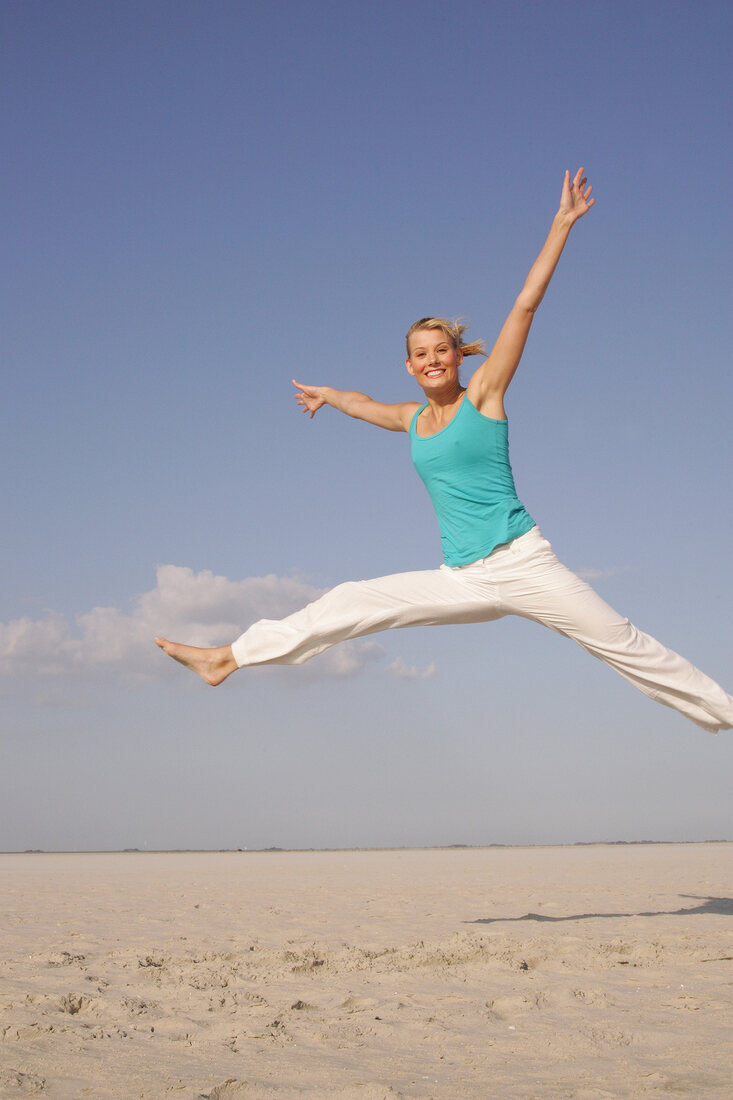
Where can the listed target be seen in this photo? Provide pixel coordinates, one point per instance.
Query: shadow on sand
(721, 907)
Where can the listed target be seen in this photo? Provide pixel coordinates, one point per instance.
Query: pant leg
(545, 591)
(356, 608)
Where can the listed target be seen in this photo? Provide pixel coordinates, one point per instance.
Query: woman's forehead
(428, 337)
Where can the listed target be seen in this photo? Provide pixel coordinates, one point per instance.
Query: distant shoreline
(401, 848)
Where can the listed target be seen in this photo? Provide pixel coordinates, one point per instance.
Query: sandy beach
(579, 972)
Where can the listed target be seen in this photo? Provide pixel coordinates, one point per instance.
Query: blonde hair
(453, 330)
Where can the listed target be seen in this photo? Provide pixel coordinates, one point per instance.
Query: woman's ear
(408, 364)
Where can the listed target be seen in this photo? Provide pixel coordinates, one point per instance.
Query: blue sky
(207, 199)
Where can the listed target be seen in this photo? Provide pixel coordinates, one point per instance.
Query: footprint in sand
(505, 1008)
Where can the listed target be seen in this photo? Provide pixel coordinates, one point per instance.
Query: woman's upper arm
(395, 418)
(491, 381)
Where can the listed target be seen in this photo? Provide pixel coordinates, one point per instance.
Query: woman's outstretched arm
(490, 382)
(395, 418)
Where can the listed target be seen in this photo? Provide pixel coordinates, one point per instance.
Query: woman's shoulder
(490, 406)
(412, 410)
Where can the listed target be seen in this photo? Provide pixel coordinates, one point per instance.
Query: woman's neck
(444, 402)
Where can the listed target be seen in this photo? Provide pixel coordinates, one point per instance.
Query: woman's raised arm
(490, 382)
(395, 418)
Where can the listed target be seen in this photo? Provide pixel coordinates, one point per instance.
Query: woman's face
(433, 360)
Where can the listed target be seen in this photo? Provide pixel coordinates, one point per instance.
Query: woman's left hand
(575, 199)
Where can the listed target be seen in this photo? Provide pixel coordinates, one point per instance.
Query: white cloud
(198, 608)
(403, 671)
(596, 574)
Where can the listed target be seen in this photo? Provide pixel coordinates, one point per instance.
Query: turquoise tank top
(465, 469)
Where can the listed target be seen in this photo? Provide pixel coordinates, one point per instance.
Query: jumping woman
(496, 561)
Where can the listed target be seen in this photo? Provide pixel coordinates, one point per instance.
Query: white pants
(522, 578)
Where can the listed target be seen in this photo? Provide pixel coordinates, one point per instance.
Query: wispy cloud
(596, 574)
(198, 608)
(403, 671)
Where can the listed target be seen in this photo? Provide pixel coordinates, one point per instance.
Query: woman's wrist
(563, 222)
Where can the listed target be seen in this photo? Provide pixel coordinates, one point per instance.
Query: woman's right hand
(310, 398)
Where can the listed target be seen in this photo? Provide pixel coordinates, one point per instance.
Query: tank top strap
(413, 422)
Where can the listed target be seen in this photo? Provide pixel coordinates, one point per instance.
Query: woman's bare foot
(212, 665)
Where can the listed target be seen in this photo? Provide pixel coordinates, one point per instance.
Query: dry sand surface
(578, 972)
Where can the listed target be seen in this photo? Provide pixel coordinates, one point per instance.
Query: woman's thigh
(421, 598)
(546, 591)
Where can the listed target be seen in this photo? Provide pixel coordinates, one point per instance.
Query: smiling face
(434, 360)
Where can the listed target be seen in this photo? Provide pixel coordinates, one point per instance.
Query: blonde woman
(496, 561)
